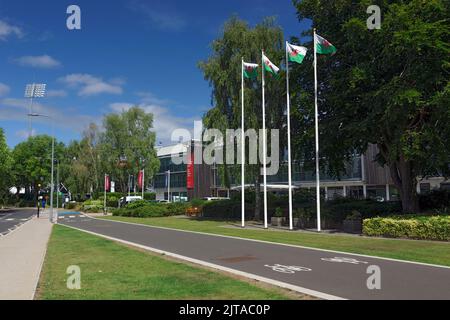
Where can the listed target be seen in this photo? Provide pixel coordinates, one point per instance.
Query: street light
(52, 187)
(34, 90)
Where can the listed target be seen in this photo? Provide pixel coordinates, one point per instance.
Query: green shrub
(149, 196)
(73, 206)
(224, 209)
(143, 209)
(92, 206)
(278, 213)
(436, 199)
(177, 208)
(137, 204)
(411, 226)
(338, 210)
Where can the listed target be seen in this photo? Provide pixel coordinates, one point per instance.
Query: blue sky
(121, 57)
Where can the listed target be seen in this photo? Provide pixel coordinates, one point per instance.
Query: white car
(215, 199)
(126, 200)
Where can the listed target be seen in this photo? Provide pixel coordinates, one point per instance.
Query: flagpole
(243, 148)
(264, 141)
(317, 137)
(143, 183)
(104, 200)
(291, 224)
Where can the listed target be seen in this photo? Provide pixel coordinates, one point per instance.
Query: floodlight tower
(34, 90)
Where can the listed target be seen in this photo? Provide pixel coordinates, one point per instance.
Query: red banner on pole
(190, 173)
(141, 179)
(107, 183)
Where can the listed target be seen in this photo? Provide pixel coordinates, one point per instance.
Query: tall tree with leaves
(128, 145)
(223, 71)
(6, 165)
(33, 161)
(387, 87)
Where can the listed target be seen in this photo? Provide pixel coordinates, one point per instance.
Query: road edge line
(277, 243)
(281, 284)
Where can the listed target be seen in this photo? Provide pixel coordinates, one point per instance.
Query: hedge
(412, 227)
(334, 211)
(435, 199)
(142, 209)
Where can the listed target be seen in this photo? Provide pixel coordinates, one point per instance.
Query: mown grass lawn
(411, 250)
(111, 271)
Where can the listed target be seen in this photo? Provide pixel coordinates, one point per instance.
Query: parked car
(126, 200)
(215, 199)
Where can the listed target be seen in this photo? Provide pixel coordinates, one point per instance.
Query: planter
(301, 223)
(277, 221)
(352, 226)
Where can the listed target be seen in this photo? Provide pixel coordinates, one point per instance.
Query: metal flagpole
(52, 188)
(168, 186)
(104, 199)
(291, 223)
(264, 141)
(243, 149)
(317, 136)
(143, 183)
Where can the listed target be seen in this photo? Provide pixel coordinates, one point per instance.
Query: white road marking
(287, 269)
(344, 260)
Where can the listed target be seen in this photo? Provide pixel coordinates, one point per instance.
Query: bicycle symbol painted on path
(287, 269)
(344, 260)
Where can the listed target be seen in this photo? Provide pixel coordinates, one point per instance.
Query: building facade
(363, 178)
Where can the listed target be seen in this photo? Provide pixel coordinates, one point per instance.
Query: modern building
(363, 178)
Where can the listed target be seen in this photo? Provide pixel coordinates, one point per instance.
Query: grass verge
(410, 250)
(111, 271)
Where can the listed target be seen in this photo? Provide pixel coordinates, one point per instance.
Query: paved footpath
(325, 274)
(22, 254)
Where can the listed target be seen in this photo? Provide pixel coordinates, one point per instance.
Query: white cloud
(164, 121)
(24, 134)
(4, 89)
(7, 30)
(89, 85)
(44, 62)
(17, 110)
(56, 93)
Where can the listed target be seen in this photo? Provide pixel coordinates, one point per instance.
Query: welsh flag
(296, 53)
(270, 67)
(250, 70)
(323, 46)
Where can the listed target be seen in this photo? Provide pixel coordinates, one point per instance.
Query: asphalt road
(13, 218)
(332, 273)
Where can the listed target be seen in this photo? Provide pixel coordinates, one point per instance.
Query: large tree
(388, 87)
(32, 162)
(223, 71)
(5, 168)
(128, 145)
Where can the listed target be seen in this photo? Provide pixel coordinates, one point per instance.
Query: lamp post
(34, 90)
(52, 186)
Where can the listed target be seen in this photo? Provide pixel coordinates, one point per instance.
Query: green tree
(223, 71)
(32, 162)
(388, 87)
(82, 164)
(6, 165)
(128, 145)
